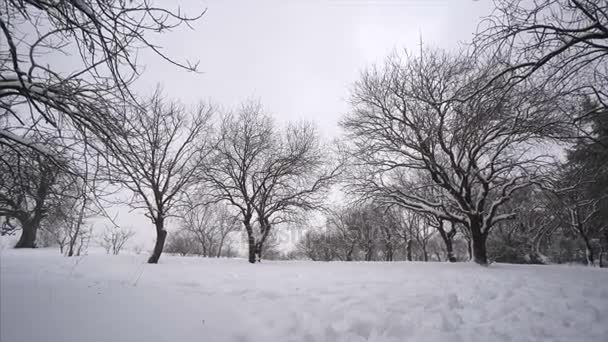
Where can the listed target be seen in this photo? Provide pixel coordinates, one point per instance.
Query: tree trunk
(449, 247)
(251, 242)
(250, 239)
(349, 253)
(589, 257)
(408, 250)
(219, 247)
(28, 234)
(604, 253)
(161, 235)
(389, 253)
(448, 238)
(478, 242)
(265, 230)
(368, 251)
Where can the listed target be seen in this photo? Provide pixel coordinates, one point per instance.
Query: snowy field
(46, 297)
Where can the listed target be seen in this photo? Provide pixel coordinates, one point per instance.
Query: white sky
(298, 57)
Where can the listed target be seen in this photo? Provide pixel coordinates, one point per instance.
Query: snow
(25, 141)
(47, 297)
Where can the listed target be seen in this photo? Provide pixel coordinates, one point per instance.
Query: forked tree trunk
(448, 240)
(265, 229)
(161, 236)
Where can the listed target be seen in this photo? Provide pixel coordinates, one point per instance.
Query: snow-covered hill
(46, 297)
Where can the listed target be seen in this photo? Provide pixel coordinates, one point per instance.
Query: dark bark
(250, 239)
(478, 239)
(161, 236)
(408, 250)
(448, 240)
(425, 254)
(28, 234)
(604, 254)
(349, 253)
(265, 230)
(76, 232)
(589, 255)
(252, 252)
(369, 250)
(31, 223)
(389, 253)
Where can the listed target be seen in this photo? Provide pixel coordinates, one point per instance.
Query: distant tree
(182, 243)
(268, 175)
(114, 238)
(210, 225)
(580, 213)
(346, 240)
(389, 238)
(316, 246)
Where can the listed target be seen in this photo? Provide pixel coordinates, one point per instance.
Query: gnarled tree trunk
(29, 229)
(448, 240)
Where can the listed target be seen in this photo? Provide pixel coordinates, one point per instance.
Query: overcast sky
(298, 57)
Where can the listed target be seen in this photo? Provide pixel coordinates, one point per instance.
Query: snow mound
(46, 297)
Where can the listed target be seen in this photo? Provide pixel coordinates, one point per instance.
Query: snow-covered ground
(46, 297)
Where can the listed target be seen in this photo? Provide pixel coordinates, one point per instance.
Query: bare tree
(267, 175)
(559, 44)
(31, 186)
(295, 176)
(319, 245)
(182, 243)
(76, 98)
(390, 239)
(447, 236)
(580, 213)
(423, 232)
(114, 238)
(409, 118)
(160, 159)
(210, 225)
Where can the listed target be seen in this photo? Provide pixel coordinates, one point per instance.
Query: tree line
(496, 151)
